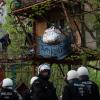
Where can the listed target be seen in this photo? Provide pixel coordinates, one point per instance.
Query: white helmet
(33, 79)
(43, 67)
(72, 74)
(7, 82)
(82, 71)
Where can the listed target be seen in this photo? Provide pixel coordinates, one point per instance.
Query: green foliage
(40, 9)
(94, 76)
(17, 39)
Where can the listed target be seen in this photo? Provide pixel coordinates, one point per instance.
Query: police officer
(73, 90)
(28, 93)
(91, 88)
(7, 92)
(42, 88)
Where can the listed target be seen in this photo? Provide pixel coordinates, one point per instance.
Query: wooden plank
(32, 1)
(49, 60)
(40, 27)
(26, 8)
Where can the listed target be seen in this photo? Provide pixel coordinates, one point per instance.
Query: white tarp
(52, 35)
(3, 13)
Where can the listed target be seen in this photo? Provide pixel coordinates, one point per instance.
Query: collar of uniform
(73, 80)
(84, 78)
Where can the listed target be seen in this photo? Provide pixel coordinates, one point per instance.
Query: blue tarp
(58, 51)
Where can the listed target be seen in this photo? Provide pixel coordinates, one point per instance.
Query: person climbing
(5, 40)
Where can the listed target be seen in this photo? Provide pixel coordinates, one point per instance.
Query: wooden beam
(48, 60)
(24, 9)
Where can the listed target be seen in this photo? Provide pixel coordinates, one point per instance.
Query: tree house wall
(42, 24)
(54, 16)
(40, 27)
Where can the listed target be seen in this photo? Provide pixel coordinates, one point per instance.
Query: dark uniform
(27, 95)
(91, 90)
(8, 94)
(43, 90)
(5, 40)
(74, 90)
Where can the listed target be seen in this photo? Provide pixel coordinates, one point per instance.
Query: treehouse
(66, 15)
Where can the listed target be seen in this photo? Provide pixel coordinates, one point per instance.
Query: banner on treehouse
(58, 51)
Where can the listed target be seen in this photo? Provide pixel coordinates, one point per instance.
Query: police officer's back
(91, 88)
(73, 90)
(43, 89)
(7, 92)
